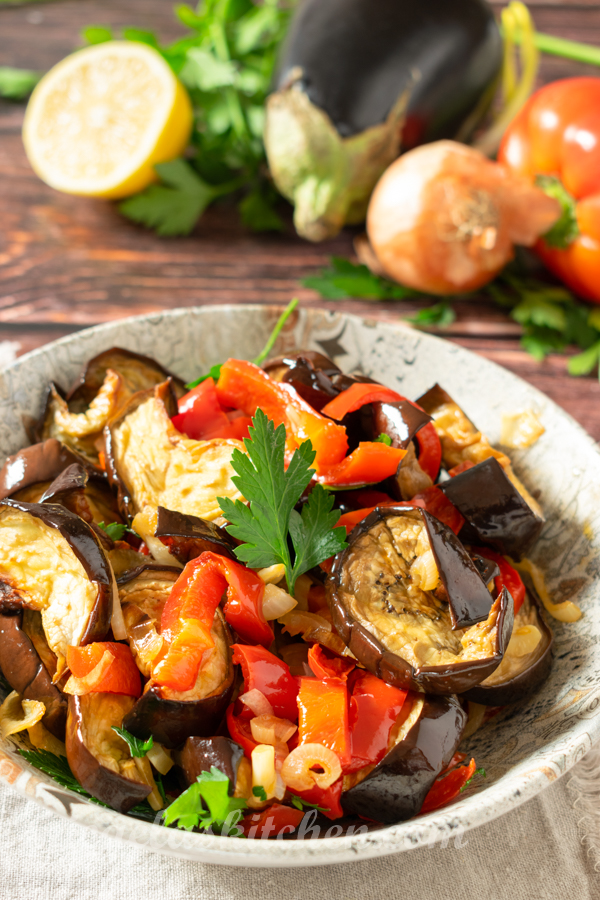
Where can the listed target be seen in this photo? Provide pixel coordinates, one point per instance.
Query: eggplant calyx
(328, 178)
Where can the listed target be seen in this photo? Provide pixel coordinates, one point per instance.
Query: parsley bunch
(207, 804)
(271, 529)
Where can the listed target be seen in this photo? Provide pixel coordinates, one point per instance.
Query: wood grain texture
(67, 262)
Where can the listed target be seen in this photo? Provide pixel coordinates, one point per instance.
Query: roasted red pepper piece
(508, 577)
(369, 463)
(242, 385)
(328, 799)
(237, 429)
(200, 414)
(239, 731)
(374, 708)
(271, 822)
(436, 502)
(323, 715)
(265, 672)
(122, 675)
(557, 134)
(430, 450)
(327, 665)
(460, 468)
(189, 612)
(447, 787)
(357, 395)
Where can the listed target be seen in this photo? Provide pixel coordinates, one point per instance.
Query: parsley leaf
(273, 492)
(585, 362)
(440, 314)
(137, 748)
(173, 207)
(566, 229)
(479, 771)
(206, 803)
(214, 372)
(114, 530)
(344, 279)
(384, 439)
(259, 791)
(304, 804)
(17, 84)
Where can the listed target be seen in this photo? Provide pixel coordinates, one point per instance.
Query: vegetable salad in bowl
(282, 593)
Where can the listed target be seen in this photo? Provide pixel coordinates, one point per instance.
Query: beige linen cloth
(548, 848)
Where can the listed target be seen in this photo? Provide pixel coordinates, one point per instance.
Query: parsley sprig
(207, 804)
(270, 524)
(137, 747)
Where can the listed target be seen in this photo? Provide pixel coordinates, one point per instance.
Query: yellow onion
(256, 701)
(17, 714)
(444, 219)
(271, 730)
(298, 768)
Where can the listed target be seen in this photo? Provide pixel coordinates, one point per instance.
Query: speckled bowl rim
(429, 830)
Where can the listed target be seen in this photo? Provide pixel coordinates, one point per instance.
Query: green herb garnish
(304, 804)
(440, 314)
(480, 771)
(566, 229)
(205, 804)
(137, 748)
(344, 279)
(383, 439)
(270, 524)
(259, 791)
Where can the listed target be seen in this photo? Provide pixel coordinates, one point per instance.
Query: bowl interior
(525, 747)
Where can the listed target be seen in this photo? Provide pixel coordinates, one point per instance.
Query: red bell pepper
(200, 413)
(369, 463)
(430, 450)
(374, 708)
(447, 787)
(120, 676)
(357, 395)
(323, 715)
(244, 386)
(189, 612)
(265, 672)
(240, 731)
(438, 505)
(328, 799)
(508, 577)
(236, 430)
(327, 665)
(460, 468)
(271, 822)
(350, 519)
(557, 135)
(365, 498)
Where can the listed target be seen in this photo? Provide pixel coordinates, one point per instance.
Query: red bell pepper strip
(326, 665)
(323, 715)
(189, 612)
(508, 577)
(460, 468)
(237, 429)
(447, 787)
(200, 413)
(265, 672)
(366, 497)
(357, 395)
(328, 799)
(374, 708)
(430, 450)
(350, 519)
(239, 731)
(271, 822)
(369, 463)
(122, 675)
(438, 505)
(244, 386)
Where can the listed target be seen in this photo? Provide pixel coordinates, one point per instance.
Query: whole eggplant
(358, 81)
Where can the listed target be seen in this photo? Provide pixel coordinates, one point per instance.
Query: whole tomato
(555, 140)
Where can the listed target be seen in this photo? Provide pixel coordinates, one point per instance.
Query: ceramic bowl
(526, 747)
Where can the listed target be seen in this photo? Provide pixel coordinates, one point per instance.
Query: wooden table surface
(67, 263)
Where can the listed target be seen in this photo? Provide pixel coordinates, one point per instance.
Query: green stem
(275, 333)
(556, 46)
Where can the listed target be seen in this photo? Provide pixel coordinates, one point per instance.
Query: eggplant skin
(171, 721)
(358, 56)
(531, 673)
(39, 463)
(189, 536)
(86, 723)
(397, 786)
(200, 754)
(139, 373)
(24, 670)
(446, 678)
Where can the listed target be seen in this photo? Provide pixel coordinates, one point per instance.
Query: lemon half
(99, 121)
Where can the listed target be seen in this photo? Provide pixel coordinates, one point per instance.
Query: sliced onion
(298, 769)
(567, 611)
(16, 714)
(263, 772)
(144, 769)
(257, 703)
(272, 574)
(117, 622)
(80, 686)
(146, 644)
(160, 758)
(276, 602)
(271, 730)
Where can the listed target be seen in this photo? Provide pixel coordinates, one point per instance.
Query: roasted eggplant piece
(187, 536)
(24, 669)
(143, 592)
(99, 759)
(171, 716)
(402, 596)
(358, 80)
(37, 465)
(52, 561)
(137, 372)
(496, 513)
(314, 376)
(199, 754)
(399, 421)
(520, 673)
(153, 465)
(424, 745)
(85, 494)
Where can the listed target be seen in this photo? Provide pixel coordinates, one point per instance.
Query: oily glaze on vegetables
(283, 629)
